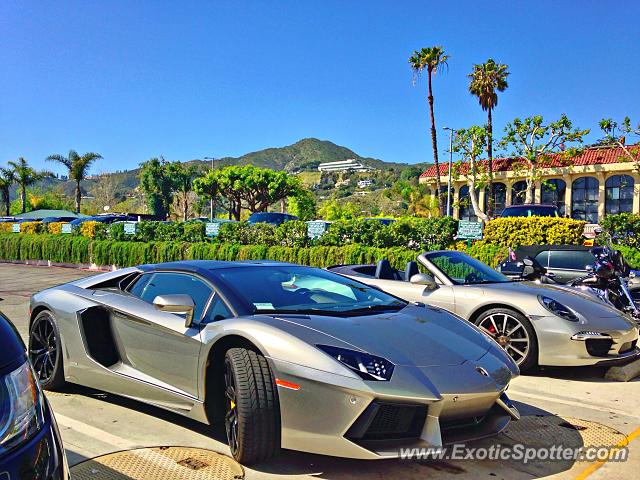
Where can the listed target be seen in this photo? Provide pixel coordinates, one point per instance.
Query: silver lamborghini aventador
(536, 324)
(284, 355)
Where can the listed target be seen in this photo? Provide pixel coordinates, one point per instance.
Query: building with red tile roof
(599, 181)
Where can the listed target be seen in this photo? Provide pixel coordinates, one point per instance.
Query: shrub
(418, 233)
(292, 234)
(516, 231)
(31, 228)
(93, 230)
(631, 255)
(55, 228)
(487, 253)
(6, 227)
(624, 228)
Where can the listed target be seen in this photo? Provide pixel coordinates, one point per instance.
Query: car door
(156, 346)
(567, 265)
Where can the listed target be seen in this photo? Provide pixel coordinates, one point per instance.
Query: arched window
(499, 198)
(519, 192)
(619, 194)
(584, 199)
(553, 192)
(465, 209)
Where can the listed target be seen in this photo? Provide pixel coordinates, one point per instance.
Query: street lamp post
(210, 200)
(451, 131)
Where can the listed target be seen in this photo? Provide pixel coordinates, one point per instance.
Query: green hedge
(75, 249)
(624, 228)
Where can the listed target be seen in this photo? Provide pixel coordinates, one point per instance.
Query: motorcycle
(608, 278)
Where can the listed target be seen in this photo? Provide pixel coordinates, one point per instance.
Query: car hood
(417, 335)
(592, 309)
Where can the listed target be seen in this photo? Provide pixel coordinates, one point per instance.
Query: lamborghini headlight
(368, 367)
(21, 407)
(557, 308)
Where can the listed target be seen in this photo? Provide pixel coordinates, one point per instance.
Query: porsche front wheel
(45, 351)
(252, 419)
(514, 332)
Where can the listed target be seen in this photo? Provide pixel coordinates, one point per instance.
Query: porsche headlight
(21, 403)
(557, 308)
(368, 367)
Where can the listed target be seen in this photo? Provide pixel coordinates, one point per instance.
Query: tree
(207, 187)
(78, 167)
(486, 80)
(182, 177)
(533, 143)
(332, 210)
(246, 186)
(25, 176)
(470, 143)
(431, 59)
(7, 179)
(157, 185)
(303, 205)
(630, 152)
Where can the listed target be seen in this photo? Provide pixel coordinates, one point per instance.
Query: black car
(272, 218)
(563, 262)
(30, 444)
(530, 210)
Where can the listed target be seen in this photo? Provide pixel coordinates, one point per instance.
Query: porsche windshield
(463, 269)
(293, 289)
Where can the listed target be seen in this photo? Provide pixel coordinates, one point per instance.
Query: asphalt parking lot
(569, 406)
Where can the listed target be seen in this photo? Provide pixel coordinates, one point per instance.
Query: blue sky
(136, 79)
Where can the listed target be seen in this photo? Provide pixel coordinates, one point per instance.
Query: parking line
(97, 433)
(596, 465)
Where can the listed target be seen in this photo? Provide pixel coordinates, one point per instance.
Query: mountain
(303, 156)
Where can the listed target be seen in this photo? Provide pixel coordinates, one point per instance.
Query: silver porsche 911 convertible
(287, 356)
(536, 324)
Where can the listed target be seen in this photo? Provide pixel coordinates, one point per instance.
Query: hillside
(301, 158)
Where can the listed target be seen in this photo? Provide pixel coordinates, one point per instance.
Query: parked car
(105, 218)
(383, 221)
(7, 219)
(536, 324)
(563, 262)
(272, 218)
(530, 210)
(30, 443)
(285, 355)
(48, 220)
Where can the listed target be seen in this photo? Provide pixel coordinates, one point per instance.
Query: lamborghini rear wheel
(45, 351)
(252, 419)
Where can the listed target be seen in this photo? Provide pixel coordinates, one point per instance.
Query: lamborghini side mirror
(180, 304)
(424, 279)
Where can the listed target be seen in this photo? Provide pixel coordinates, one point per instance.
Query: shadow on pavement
(537, 429)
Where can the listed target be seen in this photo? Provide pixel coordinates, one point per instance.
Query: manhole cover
(167, 463)
(548, 430)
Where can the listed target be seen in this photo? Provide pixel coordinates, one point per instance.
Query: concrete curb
(48, 263)
(624, 373)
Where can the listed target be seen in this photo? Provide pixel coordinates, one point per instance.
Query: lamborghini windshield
(463, 269)
(294, 289)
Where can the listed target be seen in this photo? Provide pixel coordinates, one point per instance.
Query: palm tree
(431, 59)
(26, 176)
(78, 166)
(7, 178)
(486, 80)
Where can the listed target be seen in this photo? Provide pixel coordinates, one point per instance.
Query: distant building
(341, 183)
(365, 183)
(344, 165)
(598, 182)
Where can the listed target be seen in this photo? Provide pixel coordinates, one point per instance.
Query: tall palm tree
(486, 80)
(78, 166)
(431, 59)
(7, 178)
(26, 176)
